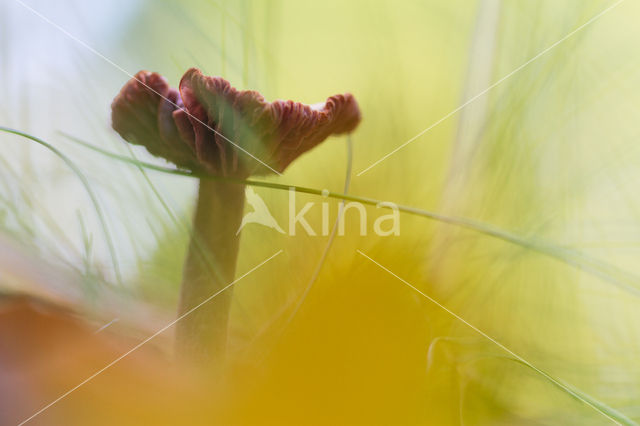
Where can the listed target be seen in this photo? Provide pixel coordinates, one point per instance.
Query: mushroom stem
(201, 336)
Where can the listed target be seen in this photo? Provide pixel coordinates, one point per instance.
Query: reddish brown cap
(178, 125)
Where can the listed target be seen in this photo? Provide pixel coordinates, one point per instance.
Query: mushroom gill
(209, 127)
(207, 124)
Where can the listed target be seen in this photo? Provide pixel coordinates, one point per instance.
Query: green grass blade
(595, 267)
(94, 200)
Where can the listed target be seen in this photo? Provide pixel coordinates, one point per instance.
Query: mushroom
(209, 127)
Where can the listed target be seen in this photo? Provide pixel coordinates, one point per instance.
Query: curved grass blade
(94, 200)
(569, 257)
(603, 408)
(595, 267)
(332, 237)
(177, 221)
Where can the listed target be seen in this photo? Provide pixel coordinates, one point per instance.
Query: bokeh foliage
(552, 158)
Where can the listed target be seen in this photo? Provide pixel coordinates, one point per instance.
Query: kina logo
(260, 214)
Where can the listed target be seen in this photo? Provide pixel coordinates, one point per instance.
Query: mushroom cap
(212, 127)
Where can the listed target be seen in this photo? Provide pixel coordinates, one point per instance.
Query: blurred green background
(548, 154)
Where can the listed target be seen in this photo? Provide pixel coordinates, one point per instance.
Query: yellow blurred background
(530, 110)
